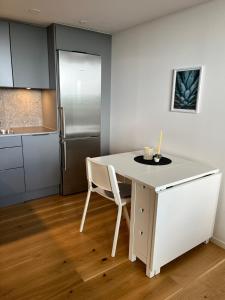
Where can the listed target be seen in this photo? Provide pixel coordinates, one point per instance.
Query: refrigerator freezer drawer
(74, 152)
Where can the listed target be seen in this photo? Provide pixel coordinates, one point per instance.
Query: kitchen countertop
(29, 131)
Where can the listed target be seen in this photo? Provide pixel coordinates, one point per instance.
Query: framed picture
(186, 89)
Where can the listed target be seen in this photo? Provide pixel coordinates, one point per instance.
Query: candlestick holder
(157, 157)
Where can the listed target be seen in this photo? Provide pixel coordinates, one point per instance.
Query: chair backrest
(104, 177)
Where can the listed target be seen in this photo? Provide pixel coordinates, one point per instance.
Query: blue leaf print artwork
(186, 89)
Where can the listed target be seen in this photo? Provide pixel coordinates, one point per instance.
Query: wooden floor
(43, 256)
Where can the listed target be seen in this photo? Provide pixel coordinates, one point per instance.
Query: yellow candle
(160, 142)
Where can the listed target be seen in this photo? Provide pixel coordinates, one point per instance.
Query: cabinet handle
(37, 134)
(64, 150)
(142, 210)
(86, 137)
(62, 121)
(141, 232)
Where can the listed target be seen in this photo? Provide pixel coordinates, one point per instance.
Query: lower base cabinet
(41, 161)
(11, 158)
(29, 167)
(12, 182)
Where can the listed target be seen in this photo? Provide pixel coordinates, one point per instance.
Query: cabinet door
(41, 161)
(11, 182)
(11, 158)
(6, 79)
(10, 141)
(29, 56)
(74, 153)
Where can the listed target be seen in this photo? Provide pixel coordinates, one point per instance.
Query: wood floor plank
(39, 221)
(123, 282)
(29, 212)
(209, 286)
(44, 256)
(194, 263)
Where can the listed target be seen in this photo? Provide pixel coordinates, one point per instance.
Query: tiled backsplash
(20, 108)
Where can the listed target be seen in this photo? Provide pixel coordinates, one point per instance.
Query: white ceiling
(102, 15)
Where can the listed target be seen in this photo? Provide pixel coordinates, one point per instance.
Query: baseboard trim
(218, 242)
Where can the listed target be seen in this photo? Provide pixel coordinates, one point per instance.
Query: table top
(158, 177)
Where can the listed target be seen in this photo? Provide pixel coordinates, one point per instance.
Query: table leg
(152, 264)
(152, 273)
(132, 256)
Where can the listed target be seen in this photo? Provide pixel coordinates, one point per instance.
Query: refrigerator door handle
(65, 158)
(62, 121)
(85, 137)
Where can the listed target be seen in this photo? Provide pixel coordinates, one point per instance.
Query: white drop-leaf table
(173, 207)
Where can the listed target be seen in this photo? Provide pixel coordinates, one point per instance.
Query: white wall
(143, 58)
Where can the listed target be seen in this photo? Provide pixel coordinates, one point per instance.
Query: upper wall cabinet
(29, 56)
(6, 79)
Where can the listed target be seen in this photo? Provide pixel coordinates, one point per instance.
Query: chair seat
(125, 192)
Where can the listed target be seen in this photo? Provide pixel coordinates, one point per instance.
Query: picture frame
(186, 89)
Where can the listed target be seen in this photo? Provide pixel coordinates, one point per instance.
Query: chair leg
(85, 210)
(126, 216)
(119, 214)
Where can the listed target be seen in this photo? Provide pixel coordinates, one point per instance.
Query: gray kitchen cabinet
(41, 161)
(6, 79)
(11, 167)
(12, 182)
(11, 158)
(29, 56)
(10, 141)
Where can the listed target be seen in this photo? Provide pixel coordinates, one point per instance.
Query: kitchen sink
(6, 131)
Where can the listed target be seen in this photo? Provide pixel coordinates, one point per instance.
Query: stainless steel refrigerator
(79, 88)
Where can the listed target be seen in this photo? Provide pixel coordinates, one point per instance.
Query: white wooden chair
(102, 180)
